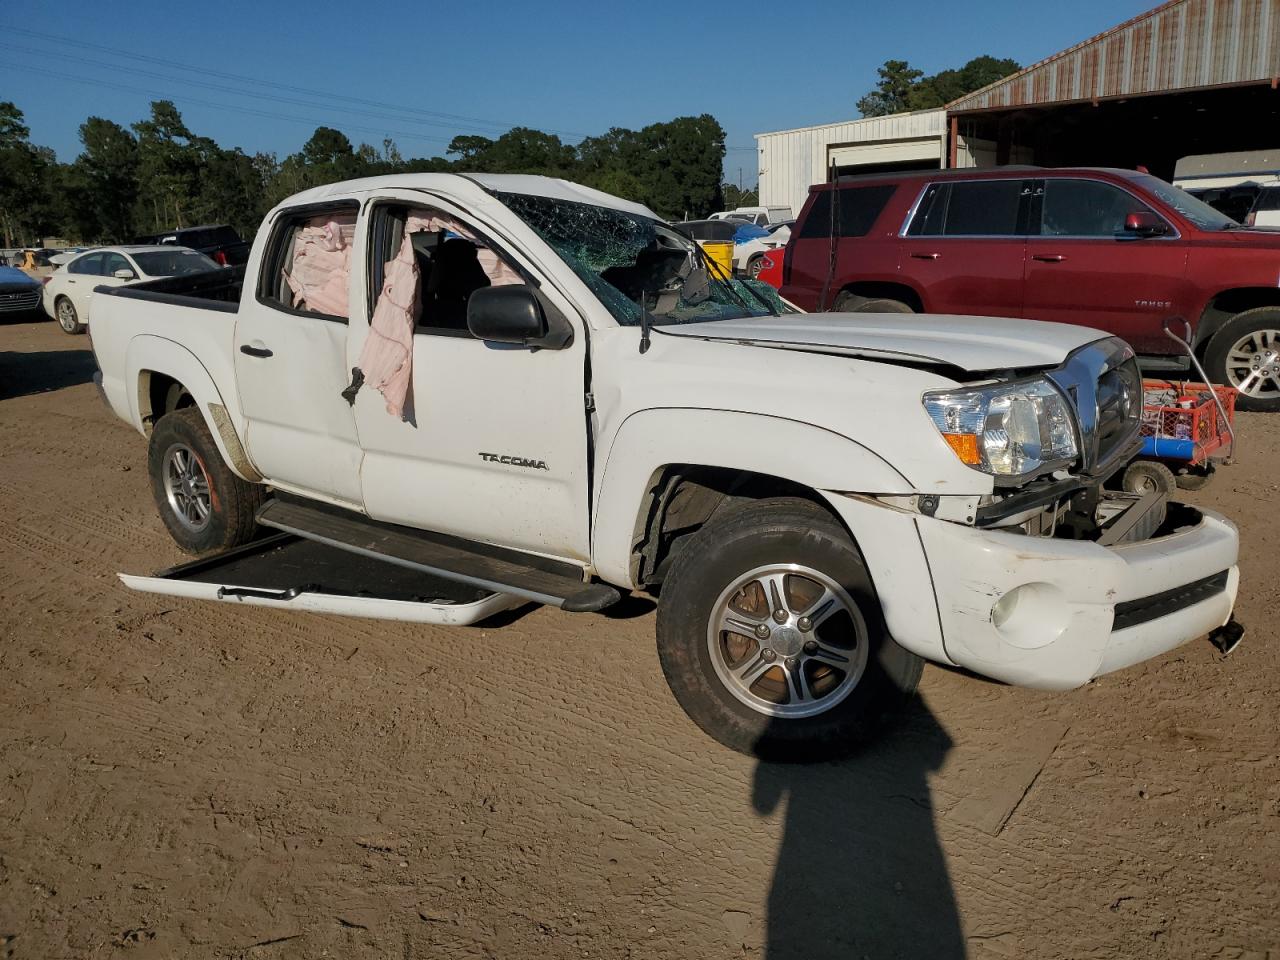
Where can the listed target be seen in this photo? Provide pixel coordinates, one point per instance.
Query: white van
(760, 216)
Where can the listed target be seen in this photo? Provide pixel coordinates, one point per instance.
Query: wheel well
(881, 289)
(681, 498)
(161, 394)
(1225, 305)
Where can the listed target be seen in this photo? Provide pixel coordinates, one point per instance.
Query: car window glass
(308, 264)
(90, 264)
(1086, 208)
(983, 208)
(931, 212)
(860, 207)
(113, 262)
(427, 264)
(1268, 199)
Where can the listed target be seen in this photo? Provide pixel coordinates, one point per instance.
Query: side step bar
(494, 568)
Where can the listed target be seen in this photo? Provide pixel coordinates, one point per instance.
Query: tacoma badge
(514, 461)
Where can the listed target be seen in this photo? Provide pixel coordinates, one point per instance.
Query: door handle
(1048, 257)
(255, 351)
(926, 256)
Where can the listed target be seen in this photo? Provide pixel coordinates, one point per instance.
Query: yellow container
(720, 253)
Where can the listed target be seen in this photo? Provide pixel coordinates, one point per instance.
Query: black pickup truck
(217, 241)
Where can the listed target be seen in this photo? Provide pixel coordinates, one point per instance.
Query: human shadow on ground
(22, 374)
(860, 870)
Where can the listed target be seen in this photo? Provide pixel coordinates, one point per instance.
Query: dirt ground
(200, 780)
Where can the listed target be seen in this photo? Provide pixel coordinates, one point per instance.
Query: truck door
(492, 444)
(290, 354)
(964, 246)
(1084, 267)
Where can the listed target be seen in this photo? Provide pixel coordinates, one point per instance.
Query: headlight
(1006, 429)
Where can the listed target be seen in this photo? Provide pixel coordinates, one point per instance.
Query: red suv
(1113, 249)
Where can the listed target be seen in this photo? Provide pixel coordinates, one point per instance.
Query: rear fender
(149, 354)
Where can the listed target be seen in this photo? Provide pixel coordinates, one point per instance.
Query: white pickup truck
(585, 407)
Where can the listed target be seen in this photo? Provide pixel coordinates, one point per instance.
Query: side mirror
(1144, 223)
(124, 273)
(517, 314)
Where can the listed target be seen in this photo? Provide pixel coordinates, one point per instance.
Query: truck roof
(464, 184)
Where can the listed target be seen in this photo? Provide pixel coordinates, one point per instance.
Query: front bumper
(1064, 629)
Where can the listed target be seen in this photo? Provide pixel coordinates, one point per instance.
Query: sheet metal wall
(793, 160)
(1179, 45)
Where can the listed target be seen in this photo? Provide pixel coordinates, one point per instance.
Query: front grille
(19, 299)
(1133, 612)
(1104, 384)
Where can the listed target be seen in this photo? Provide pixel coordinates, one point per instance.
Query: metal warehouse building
(1189, 77)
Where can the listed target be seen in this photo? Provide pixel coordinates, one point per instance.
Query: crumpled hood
(973, 344)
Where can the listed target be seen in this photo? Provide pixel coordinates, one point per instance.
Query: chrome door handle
(1049, 257)
(926, 256)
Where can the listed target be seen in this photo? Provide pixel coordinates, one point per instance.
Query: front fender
(148, 354)
(650, 440)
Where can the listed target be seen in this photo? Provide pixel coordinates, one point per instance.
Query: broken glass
(626, 260)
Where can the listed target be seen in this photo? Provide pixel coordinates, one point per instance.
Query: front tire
(204, 506)
(1245, 354)
(771, 638)
(64, 311)
(852, 303)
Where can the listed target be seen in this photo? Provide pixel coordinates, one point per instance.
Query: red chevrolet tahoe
(1113, 249)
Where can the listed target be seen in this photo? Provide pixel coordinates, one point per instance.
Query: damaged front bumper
(1054, 613)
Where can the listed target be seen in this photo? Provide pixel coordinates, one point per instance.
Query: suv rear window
(860, 207)
(1268, 199)
(972, 208)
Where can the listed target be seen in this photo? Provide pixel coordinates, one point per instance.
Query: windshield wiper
(713, 270)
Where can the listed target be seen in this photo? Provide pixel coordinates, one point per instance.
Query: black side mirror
(1144, 223)
(519, 314)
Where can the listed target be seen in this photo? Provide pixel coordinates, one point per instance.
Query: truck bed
(215, 290)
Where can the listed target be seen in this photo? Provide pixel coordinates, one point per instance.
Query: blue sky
(574, 68)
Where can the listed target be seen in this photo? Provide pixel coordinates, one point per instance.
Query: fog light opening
(1031, 615)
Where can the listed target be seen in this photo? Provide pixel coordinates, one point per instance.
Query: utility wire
(223, 88)
(327, 96)
(401, 134)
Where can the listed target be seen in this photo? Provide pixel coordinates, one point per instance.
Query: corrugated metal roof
(1180, 45)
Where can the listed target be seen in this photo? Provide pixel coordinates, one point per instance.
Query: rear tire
(852, 303)
(811, 685)
(203, 504)
(754, 266)
(1245, 354)
(64, 311)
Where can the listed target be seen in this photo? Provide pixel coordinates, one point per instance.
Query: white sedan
(748, 257)
(67, 292)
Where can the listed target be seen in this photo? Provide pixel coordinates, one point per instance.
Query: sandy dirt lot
(200, 780)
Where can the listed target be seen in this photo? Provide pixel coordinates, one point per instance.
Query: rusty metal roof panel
(1179, 45)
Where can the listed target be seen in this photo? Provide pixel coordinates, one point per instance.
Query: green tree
(169, 165)
(106, 177)
(902, 87)
(946, 85)
(23, 180)
(892, 91)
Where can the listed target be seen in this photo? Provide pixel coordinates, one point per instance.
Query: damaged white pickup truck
(447, 395)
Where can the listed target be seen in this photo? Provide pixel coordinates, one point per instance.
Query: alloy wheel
(787, 641)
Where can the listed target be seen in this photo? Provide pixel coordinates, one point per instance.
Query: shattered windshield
(632, 262)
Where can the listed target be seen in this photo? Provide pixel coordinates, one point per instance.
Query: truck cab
(442, 395)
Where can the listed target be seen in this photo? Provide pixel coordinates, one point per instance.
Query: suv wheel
(771, 638)
(852, 303)
(202, 503)
(1245, 354)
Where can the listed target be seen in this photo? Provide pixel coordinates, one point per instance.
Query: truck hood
(972, 344)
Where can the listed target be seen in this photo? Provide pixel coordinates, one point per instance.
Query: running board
(494, 568)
